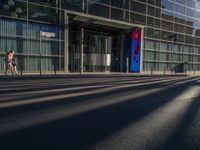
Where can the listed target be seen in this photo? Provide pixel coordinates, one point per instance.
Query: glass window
(150, 32)
(54, 3)
(179, 28)
(181, 1)
(196, 50)
(180, 38)
(163, 56)
(117, 14)
(98, 10)
(149, 55)
(167, 15)
(167, 25)
(75, 5)
(126, 16)
(152, 2)
(158, 3)
(189, 21)
(166, 46)
(138, 7)
(99, 1)
(179, 18)
(163, 66)
(10, 27)
(166, 35)
(191, 3)
(197, 14)
(197, 32)
(136, 18)
(127, 4)
(117, 3)
(14, 9)
(43, 14)
(186, 58)
(179, 9)
(178, 48)
(150, 21)
(197, 41)
(189, 30)
(149, 44)
(151, 11)
(195, 58)
(190, 12)
(157, 23)
(168, 5)
(158, 12)
(189, 39)
(187, 49)
(178, 57)
(198, 6)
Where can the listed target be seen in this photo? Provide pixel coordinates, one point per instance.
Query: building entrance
(97, 53)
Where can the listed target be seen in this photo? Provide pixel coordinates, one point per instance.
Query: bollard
(21, 69)
(55, 69)
(40, 71)
(151, 70)
(164, 71)
(194, 70)
(185, 71)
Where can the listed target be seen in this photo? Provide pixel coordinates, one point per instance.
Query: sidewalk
(29, 76)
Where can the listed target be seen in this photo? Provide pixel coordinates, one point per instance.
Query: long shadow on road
(75, 99)
(85, 129)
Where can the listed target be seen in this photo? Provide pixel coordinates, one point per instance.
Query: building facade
(101, 35)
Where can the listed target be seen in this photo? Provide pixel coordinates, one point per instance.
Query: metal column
(122, 38)
(81, 48)
(40, 52)
(66, 49)
(142, 50)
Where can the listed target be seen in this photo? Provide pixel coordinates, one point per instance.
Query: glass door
(97, 54)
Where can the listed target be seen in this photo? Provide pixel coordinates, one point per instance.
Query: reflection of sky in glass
(195, 4)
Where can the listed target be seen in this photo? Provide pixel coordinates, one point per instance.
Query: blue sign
(135, 50)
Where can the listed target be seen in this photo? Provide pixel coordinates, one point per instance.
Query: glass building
(96, 35)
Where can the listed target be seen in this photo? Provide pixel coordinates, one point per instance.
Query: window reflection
(44, 14)
(168, 5)
(54, 3)
(191, 3)
(180, 9)
(75, 5)
(180, 1)
(179, 18)
(167, 15)
(13, 8)
(190, 12)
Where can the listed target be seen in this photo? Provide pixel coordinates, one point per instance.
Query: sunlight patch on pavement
(151, 131)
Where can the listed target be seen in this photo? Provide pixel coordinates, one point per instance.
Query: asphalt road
(100, 113)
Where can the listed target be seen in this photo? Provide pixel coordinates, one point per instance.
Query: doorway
(97, 53)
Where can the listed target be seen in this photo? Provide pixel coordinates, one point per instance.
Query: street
(100, 113)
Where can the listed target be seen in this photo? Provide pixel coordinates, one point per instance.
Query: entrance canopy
(86, 20)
